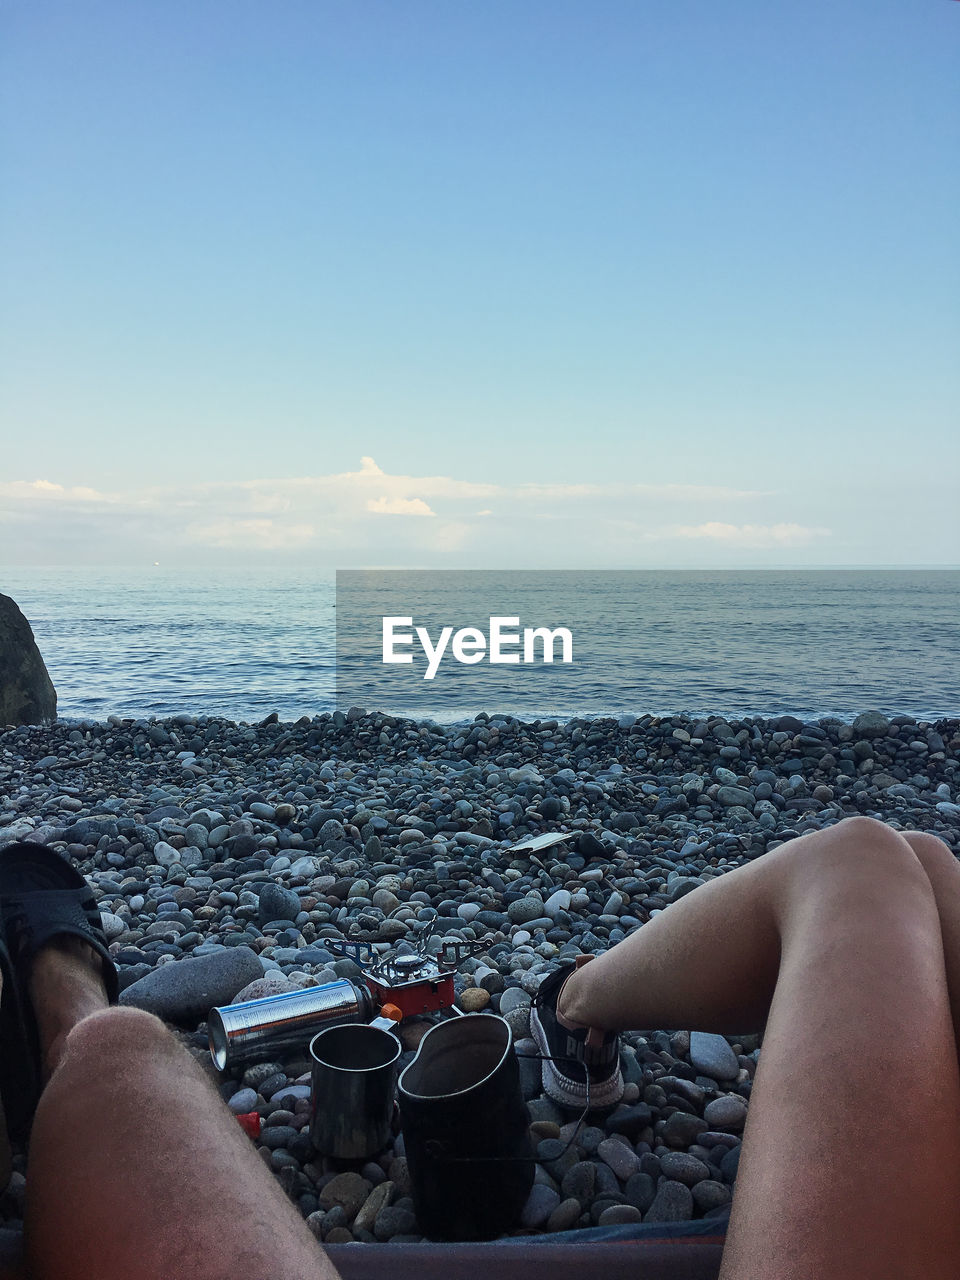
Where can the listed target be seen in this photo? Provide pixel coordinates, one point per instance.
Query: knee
(857, 849)
(117, 1034)
(867, 836)
(933, 854)
(861, 839)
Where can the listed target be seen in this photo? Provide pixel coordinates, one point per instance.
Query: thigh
(943, 872)
(851, 1157)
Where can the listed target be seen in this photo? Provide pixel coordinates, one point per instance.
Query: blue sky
(619, 284)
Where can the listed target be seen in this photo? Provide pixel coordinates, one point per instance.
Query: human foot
(58, 969)
(65, 985)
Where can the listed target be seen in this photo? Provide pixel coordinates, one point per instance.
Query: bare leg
(943, 872)
(834, 944)
(136, 1167)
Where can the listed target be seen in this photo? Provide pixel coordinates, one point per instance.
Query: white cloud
(399, 507)
(48, 491)
(251, 534)
(336, 518)
(753, 535)
(619, 489)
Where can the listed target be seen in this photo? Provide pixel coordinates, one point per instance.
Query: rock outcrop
(27, 695)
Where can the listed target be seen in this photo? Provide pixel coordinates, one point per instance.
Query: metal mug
(353, 1072)
(466, 1130)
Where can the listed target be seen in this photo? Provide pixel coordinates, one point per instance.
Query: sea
(244, 643)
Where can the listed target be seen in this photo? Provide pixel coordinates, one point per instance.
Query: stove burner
(415, 979)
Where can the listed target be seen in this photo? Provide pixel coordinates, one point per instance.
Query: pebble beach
(224, 856)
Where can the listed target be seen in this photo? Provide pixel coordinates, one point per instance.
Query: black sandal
(18, 1077)
(42, 895)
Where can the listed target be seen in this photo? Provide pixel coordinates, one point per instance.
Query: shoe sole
(573, 1093)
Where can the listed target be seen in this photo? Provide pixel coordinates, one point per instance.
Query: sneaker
(580, 1050)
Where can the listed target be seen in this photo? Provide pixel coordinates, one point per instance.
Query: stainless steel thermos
(273, 1025)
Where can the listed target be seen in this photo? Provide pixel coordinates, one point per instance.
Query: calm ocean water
(243, 643)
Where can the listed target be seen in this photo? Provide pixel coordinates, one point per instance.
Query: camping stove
(415, 977)
(413, 980)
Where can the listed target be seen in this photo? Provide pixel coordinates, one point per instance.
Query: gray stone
(641, 1190)
(348, 1190)
(730, 1164)
(394, 1221)
(113, 926)
(735, 795)
(165, 855)
(271, 984)
(579, 1182)
(712, 1056)
(564, 1216)
(524, 910)
(556, 1158)
(726, 1112)
(185, 991)
(27, 695)
(681, 1129)
(543, 1108)
(256, 1075)
(871, 724)
(558, 901)
(540, 1204)
(623, 1160)
(514, 998)
(620, 1215)
(683, 1167)
(710, 1194)
(683, 885)
(518, 1020)
(377, 1200)
(243, 1100)
(277, 903)
(672, 1203)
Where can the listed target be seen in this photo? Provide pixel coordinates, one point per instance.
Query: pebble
(524, 910)
(243, 1100)
(683, 1168)
(514, 998)
(579, 1181)
(378, 1199)
(710, 1194)
(711, 1055)
(222, 857)
(271, 984)
(726, 1112)
(623, 1160)
(541, 1203)
(473, 999)
(112, 924)
(277, 903)
(620, 1215)
(557, 902)
(672, 1203)
(393, 1221)
(348, 1190)
(564, 1216)
(184, 993)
